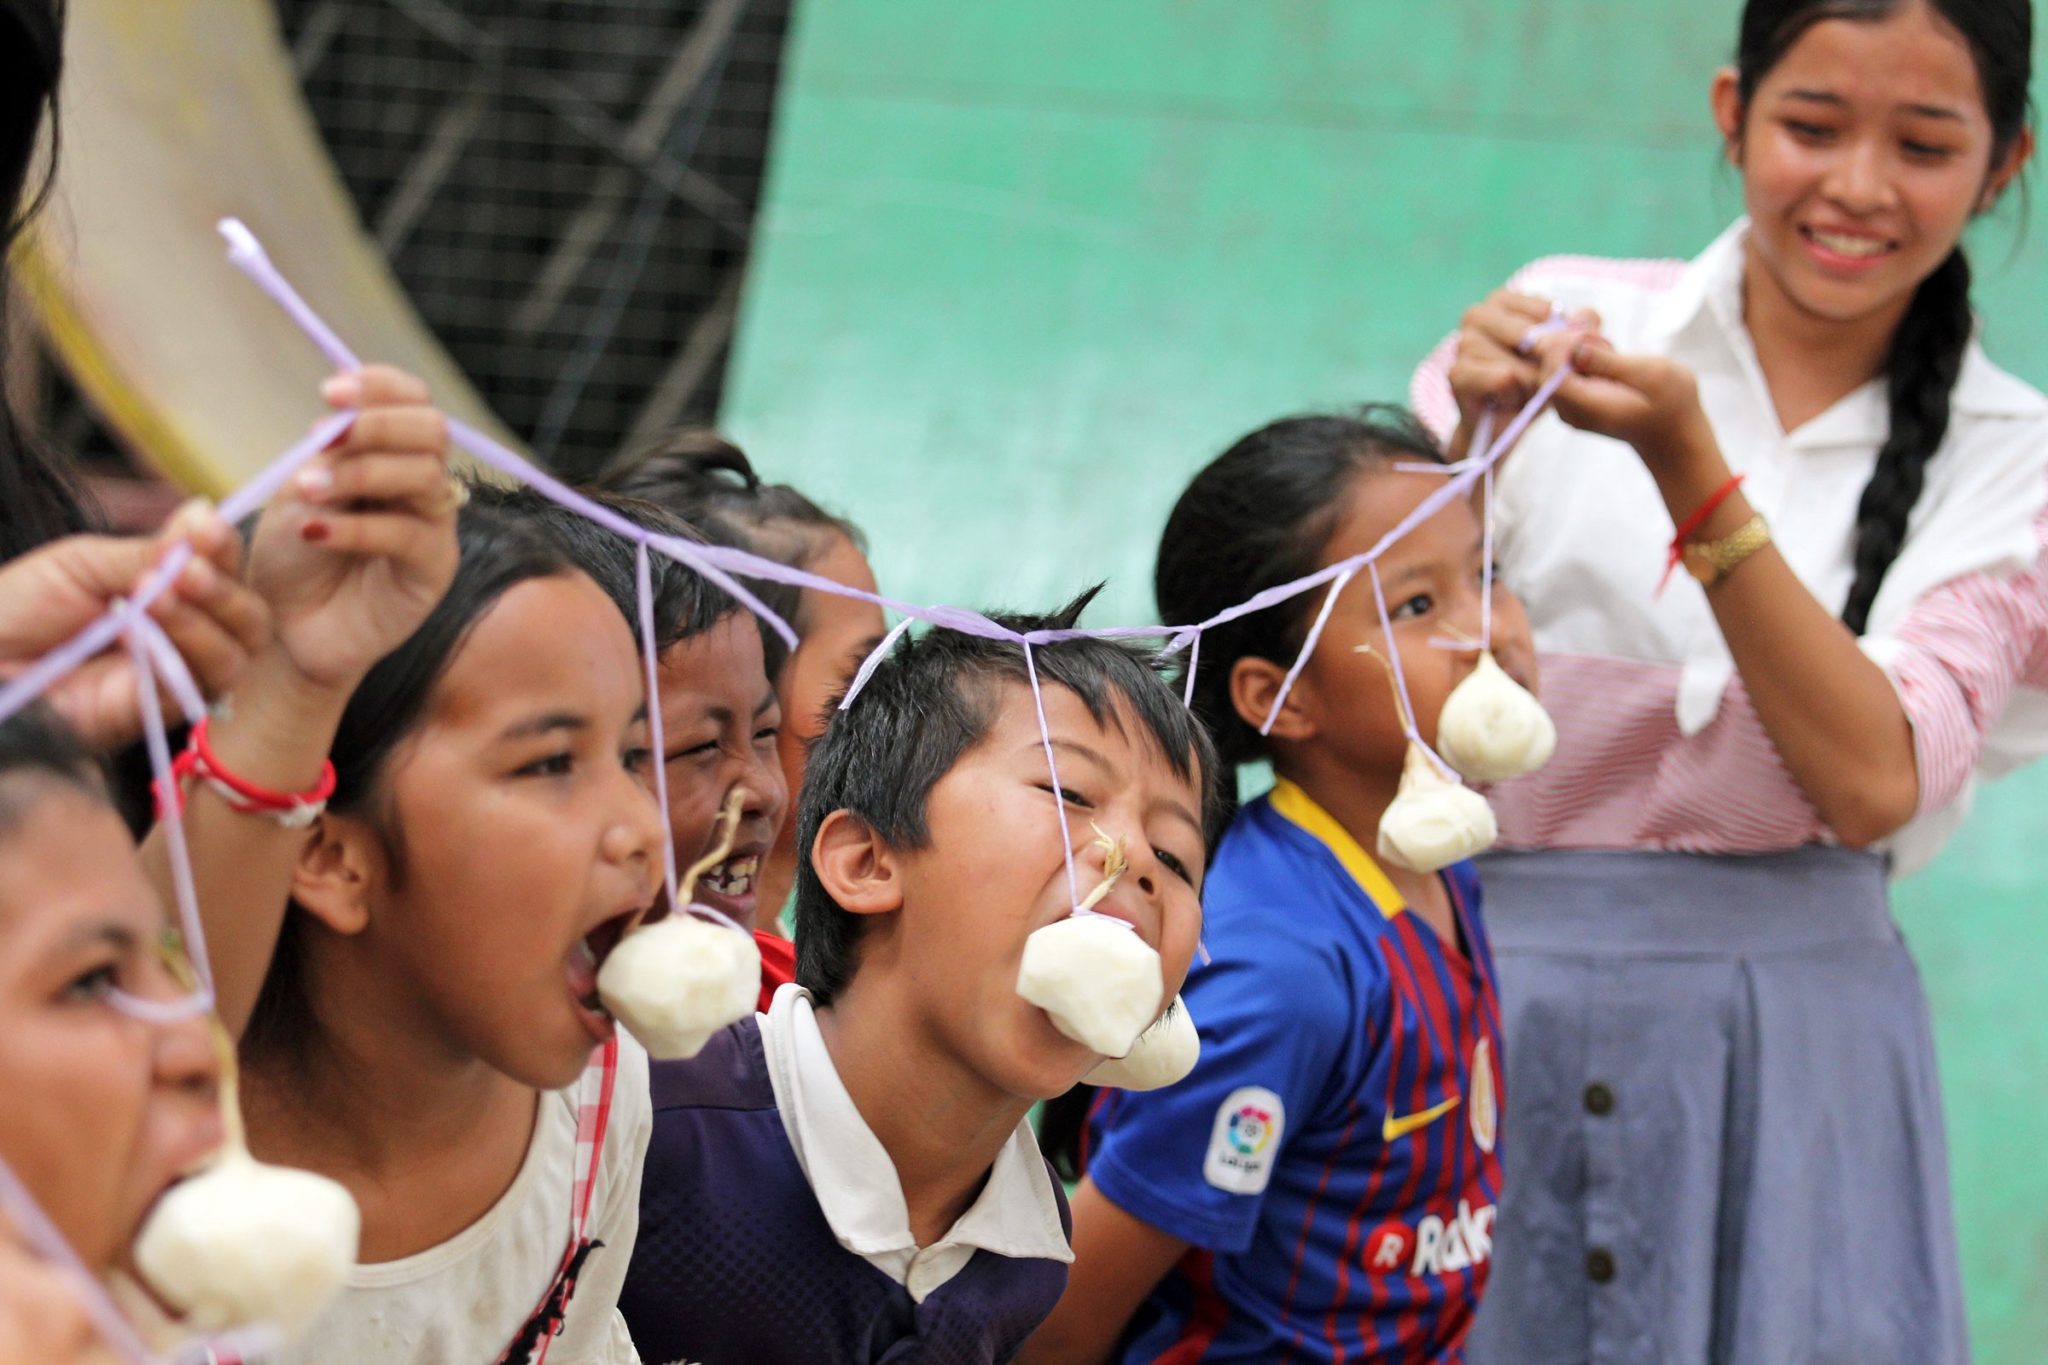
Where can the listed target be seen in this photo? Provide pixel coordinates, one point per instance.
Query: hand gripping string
(1457, 485)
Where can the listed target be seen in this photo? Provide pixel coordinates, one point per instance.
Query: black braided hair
(39, 499)
(1926, 354)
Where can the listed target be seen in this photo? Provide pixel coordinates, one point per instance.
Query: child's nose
(767, 789)
(633, 833)
(186, 1058)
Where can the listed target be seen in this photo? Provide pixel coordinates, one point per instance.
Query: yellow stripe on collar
(1299, 808)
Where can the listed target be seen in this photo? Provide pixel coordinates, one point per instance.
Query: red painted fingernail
(315, 531)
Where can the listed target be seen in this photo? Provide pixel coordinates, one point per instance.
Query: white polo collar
(1704, 308)
(1017, 1213)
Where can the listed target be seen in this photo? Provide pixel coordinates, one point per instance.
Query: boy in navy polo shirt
(850, 1176)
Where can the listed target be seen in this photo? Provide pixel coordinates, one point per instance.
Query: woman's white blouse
(1660, 746)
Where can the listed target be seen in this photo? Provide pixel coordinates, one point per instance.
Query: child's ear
(1254, 684)
(857, 869)
(335, 868)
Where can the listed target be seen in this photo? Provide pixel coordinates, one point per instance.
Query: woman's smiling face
(1865, 151)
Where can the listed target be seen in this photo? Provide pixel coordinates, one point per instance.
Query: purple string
(170, 816)
(1379, 596)
(1556, 322)
(508, 461)
(251, 496)
(102, 633)
(643, 586)
(249, 256)
(717, 562)
(170, 668)
(873, 662)
(1482, 440)
(1052, 767)
(46, 1241)
(1308, 647)
(1194, 661)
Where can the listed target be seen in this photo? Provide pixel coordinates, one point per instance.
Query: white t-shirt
(461, 1303)
(1659, 745)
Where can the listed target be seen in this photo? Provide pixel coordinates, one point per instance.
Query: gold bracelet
(1710, 561)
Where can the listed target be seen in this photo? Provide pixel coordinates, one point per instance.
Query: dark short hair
(686, 604)
(34, 744)
(933, 699)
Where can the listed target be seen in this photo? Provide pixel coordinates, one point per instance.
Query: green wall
(1025, 265)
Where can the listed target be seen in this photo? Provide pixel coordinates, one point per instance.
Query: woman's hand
(51, 593)
(353, 554)
(1651, 402)
(1496, 365)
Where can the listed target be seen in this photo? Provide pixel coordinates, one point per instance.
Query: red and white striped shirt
(1659, 745)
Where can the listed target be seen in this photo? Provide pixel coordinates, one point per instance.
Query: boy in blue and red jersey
(1322, 1186)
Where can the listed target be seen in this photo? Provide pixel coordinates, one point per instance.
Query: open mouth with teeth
(1854, 247)
(730, 886)
(733, 878)
(581, 968)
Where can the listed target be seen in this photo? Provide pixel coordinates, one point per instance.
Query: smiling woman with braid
(1728, 1140)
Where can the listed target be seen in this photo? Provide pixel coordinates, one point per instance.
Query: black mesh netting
(566, 188)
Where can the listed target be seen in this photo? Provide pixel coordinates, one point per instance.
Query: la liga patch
(1245, 1140)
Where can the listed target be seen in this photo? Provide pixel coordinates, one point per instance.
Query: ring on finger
(454, 498)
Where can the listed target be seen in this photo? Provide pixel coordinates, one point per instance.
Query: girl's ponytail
(1926, 358)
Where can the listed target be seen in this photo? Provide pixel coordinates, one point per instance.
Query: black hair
(501, 547)
(933, 699)
(686, 604)
(1260, 515)
(39, 493)
(709, 482)
(34, 744)
(1927, 351)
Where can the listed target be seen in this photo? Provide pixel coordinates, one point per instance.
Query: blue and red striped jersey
(1334, 1158)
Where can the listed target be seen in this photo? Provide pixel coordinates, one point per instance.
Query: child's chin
(1047, 1063)
(550, 1064)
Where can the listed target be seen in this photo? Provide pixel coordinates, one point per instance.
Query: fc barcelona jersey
(1334, 1159)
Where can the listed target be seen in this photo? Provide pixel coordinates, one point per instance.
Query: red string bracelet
(1691, 525)
(292, 810)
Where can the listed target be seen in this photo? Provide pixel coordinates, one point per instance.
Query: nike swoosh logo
(1395, 1128)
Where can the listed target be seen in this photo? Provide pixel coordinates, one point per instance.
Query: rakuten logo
(1434, 1245)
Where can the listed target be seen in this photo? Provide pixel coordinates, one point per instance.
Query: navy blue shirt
(736, 1264)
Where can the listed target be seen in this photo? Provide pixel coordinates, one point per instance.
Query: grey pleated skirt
(1723, 1135)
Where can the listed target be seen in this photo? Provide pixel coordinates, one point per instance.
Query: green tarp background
(1025, 265)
